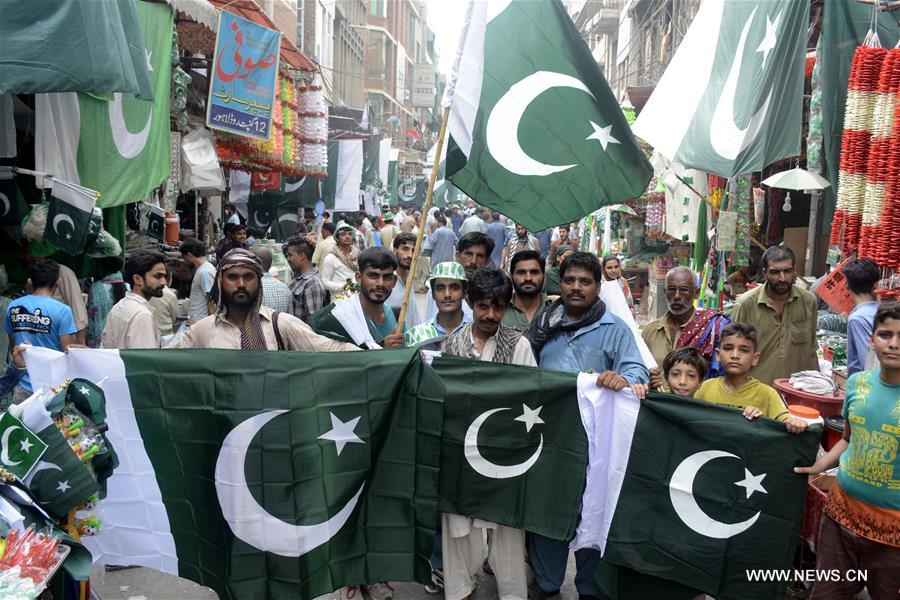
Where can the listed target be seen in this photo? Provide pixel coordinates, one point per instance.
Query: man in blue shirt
(862, 277)
(38, 319)
(442, 242)
(497, 232)
(576, 333)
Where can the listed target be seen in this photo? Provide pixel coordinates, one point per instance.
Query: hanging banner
(242, 90)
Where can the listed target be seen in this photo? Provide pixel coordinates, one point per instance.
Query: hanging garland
(855, 143)
(876, 237)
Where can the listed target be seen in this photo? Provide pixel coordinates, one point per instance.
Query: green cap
(563, 248)
(388, 216)
(448, 270)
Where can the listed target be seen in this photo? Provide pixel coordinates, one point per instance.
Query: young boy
(683, 370)
(737, 353)
(861, 524)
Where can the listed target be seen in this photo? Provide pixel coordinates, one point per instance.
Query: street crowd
(497, 292)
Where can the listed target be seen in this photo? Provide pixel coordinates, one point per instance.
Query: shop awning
(74, 46)
(251, 11)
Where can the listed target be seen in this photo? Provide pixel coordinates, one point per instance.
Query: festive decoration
(716, 187)
(656, 211)
(879, 228)
(313, 129)
(855, 143)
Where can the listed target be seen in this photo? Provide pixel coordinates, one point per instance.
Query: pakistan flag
(535, 132)
(263, 474)
(731, 99)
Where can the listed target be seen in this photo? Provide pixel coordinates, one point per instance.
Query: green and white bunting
(116, 143)
(731, 99)
(535, 132)
(69, 218)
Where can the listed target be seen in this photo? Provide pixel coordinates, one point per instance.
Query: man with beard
(364, 318)
(461, 542)
(529, 299)
(784, 317)
(472, 252)
(404, 248)
(130, 323)
(683, 326)
(577, 334)
(523, 241)
(241, 322)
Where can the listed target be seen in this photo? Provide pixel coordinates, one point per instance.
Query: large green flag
(264, 474)
(731, 100)
(503, 452)
(121, 143)
(707, 496)
(535, 132)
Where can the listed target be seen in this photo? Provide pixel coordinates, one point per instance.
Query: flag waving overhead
(731, 99)
(535, 132)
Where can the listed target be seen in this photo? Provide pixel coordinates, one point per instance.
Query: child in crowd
(684, 369)
(737, 353)
(861, 521)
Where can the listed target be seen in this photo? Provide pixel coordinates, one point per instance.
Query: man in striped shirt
(276, 295)
(307, 288)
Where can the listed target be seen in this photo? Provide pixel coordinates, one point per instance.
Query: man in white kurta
(490, 292)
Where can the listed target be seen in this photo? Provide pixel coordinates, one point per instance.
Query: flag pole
(407, 290)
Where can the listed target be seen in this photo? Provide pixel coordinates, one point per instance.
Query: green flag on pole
(13, 207)
(20, 448)
(535, 132)
(69, 218)
(731, 99)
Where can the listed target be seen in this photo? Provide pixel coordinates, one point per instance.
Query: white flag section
(609, 419)
(136, 528)
(463, 94)
(349, 175)
(384, 159)
(614, 298)
(56, 135)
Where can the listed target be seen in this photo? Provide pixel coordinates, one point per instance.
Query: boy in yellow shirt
(737, 353)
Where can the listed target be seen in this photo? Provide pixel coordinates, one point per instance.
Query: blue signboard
(244, 74)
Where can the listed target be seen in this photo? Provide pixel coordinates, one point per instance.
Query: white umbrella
(796, 179)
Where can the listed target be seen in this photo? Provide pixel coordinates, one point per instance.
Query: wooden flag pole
(407, 290)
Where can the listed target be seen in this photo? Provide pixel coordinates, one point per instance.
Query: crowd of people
(534, 303)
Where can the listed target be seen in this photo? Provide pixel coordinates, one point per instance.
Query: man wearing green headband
(448, 290)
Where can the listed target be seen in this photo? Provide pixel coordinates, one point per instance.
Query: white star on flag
(63, 486)
(530, 417)
(342, 433)
(602, 135)
(752, 483)
(68, 236)
(84, 391)
(25, 446)
(770, 39)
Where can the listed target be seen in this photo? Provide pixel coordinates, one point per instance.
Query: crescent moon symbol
(256, 219)
(248, 520)
(503, 122)
(127, 144)
(290, 187)
(6, 204)
(485, 467)
(724, 136)
(681, 493)
(289, 217)
(4, 442)
(40, 466)
(60, 218)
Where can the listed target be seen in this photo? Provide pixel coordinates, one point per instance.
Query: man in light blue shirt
(862, 277)
(577, 334)
(497, 232)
